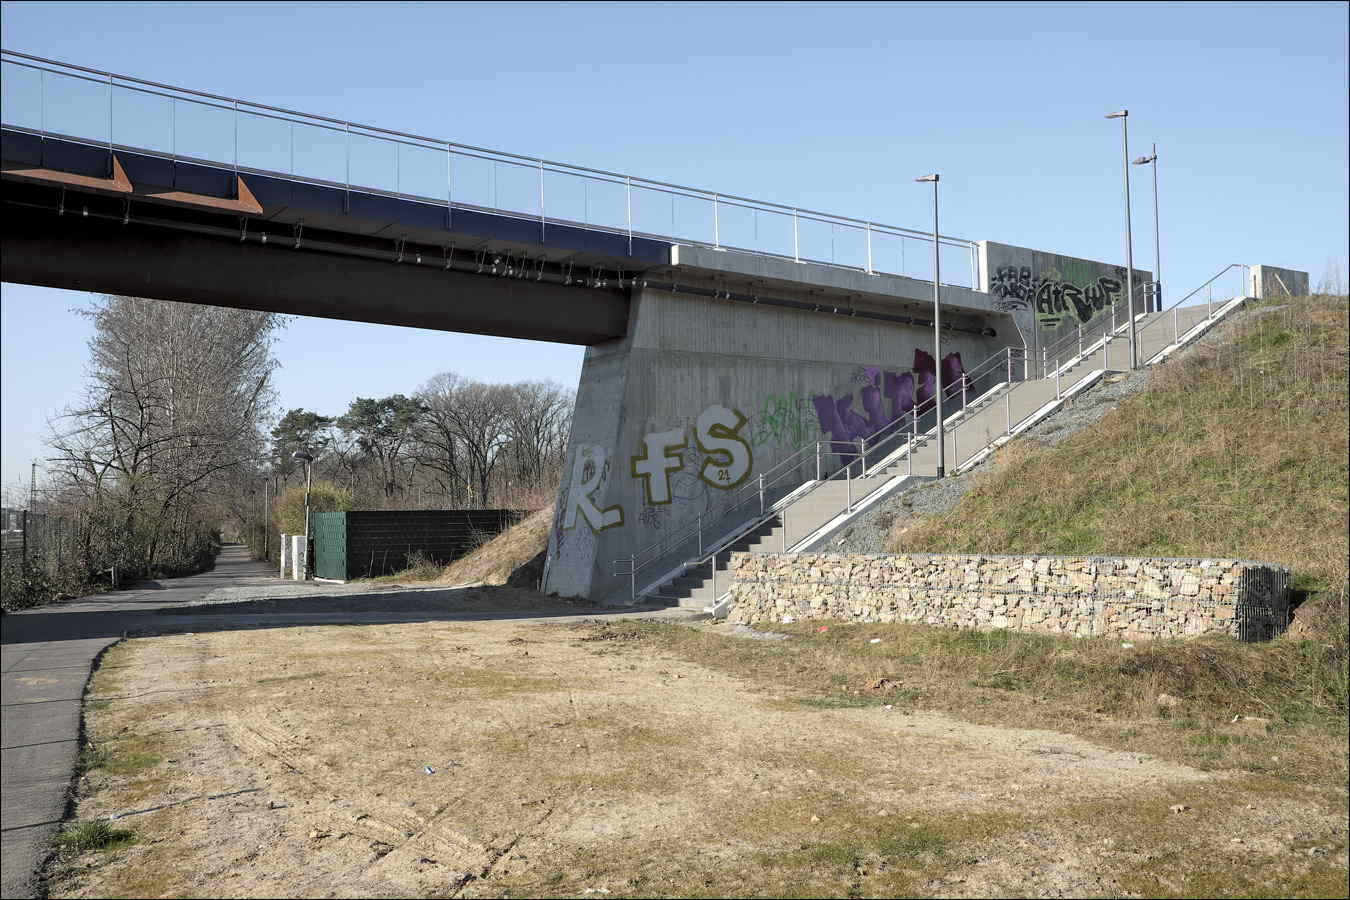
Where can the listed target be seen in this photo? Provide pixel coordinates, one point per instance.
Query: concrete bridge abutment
(725, 375)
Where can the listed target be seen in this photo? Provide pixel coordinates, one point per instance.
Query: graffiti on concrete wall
(909, 392)
(1012, 288)
(724, 458)
(653, 517)
(1059, 292)
(590, 472)
(1059, 298)
(660, 457)
(786, 422)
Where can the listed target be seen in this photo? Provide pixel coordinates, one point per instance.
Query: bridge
(725, 335)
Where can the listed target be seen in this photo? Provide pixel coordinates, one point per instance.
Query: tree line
(456, 443)
(175, 437)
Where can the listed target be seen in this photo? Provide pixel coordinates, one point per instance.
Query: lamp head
(932, 177)
(1118, 114)
(302, 456)
(1145, 159)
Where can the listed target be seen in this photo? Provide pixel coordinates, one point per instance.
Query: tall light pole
(309, 476)
(937, 332)
(267, 546)
(1123, 115)
(1157, 256)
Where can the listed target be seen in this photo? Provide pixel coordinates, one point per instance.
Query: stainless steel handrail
(452, 149)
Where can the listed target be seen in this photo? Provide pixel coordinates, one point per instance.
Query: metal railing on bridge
(72, 102)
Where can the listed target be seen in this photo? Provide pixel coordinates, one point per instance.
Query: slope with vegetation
(1237, 449)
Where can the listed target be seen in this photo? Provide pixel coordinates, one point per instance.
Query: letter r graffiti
(588, 471)
(656, 463)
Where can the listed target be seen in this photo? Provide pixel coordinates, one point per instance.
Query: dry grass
(575, 756)
(495, 560)
(1175, 699)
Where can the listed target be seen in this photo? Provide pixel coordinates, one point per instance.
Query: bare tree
(537, 418)
(473, 415)
(174, 401)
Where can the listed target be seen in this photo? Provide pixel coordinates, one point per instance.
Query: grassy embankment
(1239, 449)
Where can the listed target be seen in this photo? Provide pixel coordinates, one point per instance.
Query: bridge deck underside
(174, 230)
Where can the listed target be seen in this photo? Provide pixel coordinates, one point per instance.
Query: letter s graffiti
(729, 458)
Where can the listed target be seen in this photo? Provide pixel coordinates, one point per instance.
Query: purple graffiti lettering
(925, 378)
(954, 377)
(827, 412)
(871, 404)
(899, 389)
(909, 392)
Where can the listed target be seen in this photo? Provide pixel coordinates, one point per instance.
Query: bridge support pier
(701, 397)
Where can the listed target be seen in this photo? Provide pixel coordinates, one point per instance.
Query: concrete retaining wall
(1127, 598)
(1273, 281)
(1050, 295)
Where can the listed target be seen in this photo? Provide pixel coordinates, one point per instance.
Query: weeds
(87, 836)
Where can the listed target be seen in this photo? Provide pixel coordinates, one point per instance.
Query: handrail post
(700, 534)
(717, 231)
(817, 460)
(1080, 338)
(863, 456)
(761, 493)
(869, 242)
(782, 520)
(632, 577)
(848, 488)
(909, 454)
(796, 256)
(1007, 408)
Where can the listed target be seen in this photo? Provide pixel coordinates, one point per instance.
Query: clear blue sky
(835, 107)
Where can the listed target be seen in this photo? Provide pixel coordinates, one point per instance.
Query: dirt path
(551, 757)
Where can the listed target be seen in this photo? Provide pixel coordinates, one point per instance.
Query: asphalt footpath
(48, 654)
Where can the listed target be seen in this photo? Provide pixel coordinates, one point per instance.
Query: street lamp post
(309, 481)
(937, 332)
(1123, 115)
(1157, 256)
(267, 547)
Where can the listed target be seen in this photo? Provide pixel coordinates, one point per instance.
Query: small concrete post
(298, 556)
(285, 554)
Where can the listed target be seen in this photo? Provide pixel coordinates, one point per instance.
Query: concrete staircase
(809, 518)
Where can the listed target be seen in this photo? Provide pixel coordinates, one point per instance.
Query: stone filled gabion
(1127, 598)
